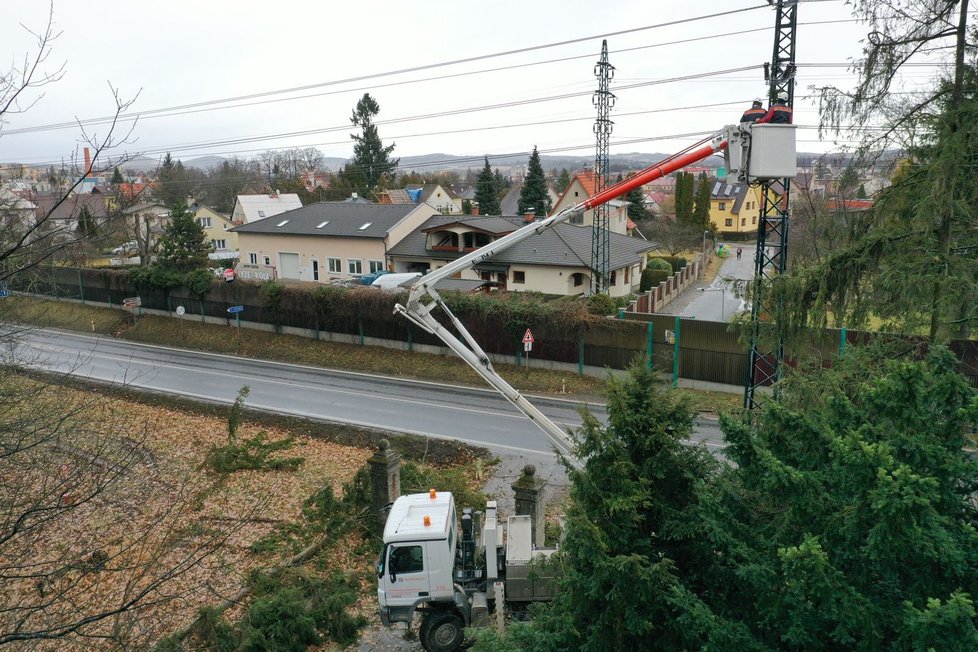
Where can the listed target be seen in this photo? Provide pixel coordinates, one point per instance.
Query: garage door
(288, 265)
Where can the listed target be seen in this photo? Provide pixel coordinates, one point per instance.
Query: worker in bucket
(778, 114)
(754, 113)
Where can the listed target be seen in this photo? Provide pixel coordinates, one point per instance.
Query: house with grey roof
(558, 261)
(327, 241)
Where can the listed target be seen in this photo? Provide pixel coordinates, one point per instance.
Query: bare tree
(85, 551)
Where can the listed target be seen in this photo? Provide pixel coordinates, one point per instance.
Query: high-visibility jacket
(778, 114)
(753, 114)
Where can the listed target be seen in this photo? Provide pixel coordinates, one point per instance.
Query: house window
(626, 275)
(334, 265)
(252, 259)
(578, 218)
(728, 222)
(614, 277)
(261, 213)
(315, 269)
(753, 220)
(220, 244)
(743, 221)
(376, 266)
(519, 277)
(268, 261)
(722, 206)
(578, 279)
(354, 266)
(205, 222)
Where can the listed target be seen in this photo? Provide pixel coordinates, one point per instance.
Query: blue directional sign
(234, 309)
(3, 290)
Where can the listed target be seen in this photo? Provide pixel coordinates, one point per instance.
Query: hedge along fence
(564, 331)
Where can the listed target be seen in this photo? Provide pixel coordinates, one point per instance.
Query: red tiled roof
(850, 204)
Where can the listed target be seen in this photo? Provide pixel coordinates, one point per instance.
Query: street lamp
(723, 300)
(705, 233)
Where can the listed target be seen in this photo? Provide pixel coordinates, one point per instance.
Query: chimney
(474, 211)
(529, 215)
(88, 162)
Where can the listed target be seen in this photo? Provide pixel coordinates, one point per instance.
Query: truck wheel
(442, 632)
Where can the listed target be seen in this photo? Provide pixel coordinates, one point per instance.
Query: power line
(400, 71)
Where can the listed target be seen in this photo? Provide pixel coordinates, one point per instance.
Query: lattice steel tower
(766, 354)
(603, 99)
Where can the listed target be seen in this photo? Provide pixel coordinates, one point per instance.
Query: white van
(392, 282)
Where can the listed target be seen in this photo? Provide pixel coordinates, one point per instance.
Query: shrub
(652, 277)
(659, 263)
(600, 304)
(677, 263)
(252, 454)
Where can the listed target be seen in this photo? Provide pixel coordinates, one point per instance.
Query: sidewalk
(716, 301)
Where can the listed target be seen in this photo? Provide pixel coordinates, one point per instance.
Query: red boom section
(653, 172)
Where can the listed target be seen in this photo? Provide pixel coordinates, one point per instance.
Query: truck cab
(416, 563)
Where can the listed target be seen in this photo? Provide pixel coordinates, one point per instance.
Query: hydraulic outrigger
(419, 312)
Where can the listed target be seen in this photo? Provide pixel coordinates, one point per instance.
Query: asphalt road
(719, 301)
(473, 415)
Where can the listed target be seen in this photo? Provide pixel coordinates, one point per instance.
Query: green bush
(253, 454)
(677, 263)
(600, 304)
(659, 263)
(652, 277)
(417, 479)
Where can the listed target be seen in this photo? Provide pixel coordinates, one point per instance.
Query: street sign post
(3, 290)
(229, 275)
(236, 311)
(527, 347)
(181, 311)
(132, 302)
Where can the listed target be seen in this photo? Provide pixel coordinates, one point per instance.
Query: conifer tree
(184, 246)
(117, 176)
(563, 180)
(486, 193)
(533, 194)
(684, 197)
(372, 167)
(701, 209)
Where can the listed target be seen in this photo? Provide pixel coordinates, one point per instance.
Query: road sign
(181, 311)
(670, 337)
(528, 337)
(132, 302)
(3, 290)
(229, 275)
(235, 309)
(527, 346)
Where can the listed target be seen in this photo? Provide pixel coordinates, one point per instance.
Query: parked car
(130, 247)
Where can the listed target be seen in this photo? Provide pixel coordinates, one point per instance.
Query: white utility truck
(455, 572)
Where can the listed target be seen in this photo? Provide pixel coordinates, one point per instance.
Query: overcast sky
(182, 52)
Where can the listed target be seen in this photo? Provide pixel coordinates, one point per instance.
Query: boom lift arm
(419, 312)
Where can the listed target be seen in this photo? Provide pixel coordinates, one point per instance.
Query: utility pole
(603, 99)
(766, 354)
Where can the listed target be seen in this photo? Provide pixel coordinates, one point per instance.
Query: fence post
(410, 338)
(648, 345)
(842, 340)
(360, 327)
(519, 353)
(202, 319)
(81, 287)
(317, 329)
(169, 308)
(675, 356)
(580, 354)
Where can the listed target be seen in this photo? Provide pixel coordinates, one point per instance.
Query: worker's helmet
(782, 98)
(758, 104)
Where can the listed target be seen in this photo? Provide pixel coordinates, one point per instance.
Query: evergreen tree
(117, 177)
(533, 194)
(503, 183)
(636, 205)
(861, 192)
(486, 194)
(701, 210)
(86, 223)
(183, 246)
(372, 167)
(563, 180)
(925, 228)
(684, 197)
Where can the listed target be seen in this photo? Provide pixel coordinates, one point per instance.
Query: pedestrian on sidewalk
(739, 251)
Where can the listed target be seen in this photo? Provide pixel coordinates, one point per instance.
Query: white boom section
(420, 313)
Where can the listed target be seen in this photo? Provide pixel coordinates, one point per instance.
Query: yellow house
(217, 227)
(735, 208)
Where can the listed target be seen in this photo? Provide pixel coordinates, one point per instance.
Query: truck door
(408, 572)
